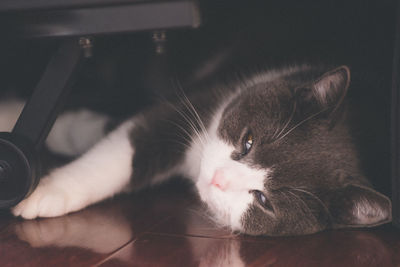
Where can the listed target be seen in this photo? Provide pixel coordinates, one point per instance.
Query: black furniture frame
(76, 22)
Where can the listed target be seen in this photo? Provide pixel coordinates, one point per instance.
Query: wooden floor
(166, 227)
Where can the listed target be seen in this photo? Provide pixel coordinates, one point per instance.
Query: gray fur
(312, 164)
(300, 130)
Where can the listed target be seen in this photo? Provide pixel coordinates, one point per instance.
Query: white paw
(48, 200)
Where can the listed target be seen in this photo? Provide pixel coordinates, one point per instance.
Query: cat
(269, 155)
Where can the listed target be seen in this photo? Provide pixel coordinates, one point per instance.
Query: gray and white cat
(270, 156)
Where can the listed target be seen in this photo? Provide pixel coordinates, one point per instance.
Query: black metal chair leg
(41, 110)
(19, 164)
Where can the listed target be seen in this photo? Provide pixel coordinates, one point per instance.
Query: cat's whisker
(180, 143)
(312, 195)
(188, 136)
(188, 104)
(189, 122)
(193, 126)
(288, 199)
(188, 119)
(288, 122)
(298, 202)
(302, 122)
(191, 144)
(193, 110)
(302, 201)
(275, 133)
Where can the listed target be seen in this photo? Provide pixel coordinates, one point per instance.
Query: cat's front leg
(100, 173)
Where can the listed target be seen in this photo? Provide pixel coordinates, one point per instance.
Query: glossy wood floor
(166, 226)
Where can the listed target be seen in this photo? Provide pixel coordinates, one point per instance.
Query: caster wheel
(19, 169)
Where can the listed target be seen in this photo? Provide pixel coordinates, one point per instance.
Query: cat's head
(280, 161)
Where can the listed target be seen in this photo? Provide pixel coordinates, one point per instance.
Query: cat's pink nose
(219, 180)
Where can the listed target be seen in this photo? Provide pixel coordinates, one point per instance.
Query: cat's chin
(220, 217)
(226, 207)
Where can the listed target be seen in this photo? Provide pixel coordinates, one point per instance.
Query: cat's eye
(247, 143)
(262, 200)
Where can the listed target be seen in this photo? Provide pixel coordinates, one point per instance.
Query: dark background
(236, 37)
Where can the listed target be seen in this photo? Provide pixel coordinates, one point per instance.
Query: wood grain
(167, 226)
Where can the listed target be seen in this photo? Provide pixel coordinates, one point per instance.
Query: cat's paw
(48, 200)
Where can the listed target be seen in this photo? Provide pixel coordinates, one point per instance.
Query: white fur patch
(98, 174)
(74, 132)
(228, 206)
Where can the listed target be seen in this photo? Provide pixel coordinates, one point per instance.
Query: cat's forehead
(261, 99)
(258, 107)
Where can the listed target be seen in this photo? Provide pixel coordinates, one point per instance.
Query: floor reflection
(347, 248)
(102, 229)
(336, 248)
(172, 231)
(218, 253)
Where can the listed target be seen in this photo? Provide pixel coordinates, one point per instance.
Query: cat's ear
(357, 206)
(329, 90)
